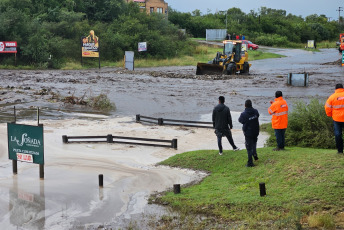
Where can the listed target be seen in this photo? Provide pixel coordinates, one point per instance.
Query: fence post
(174, 143)
(160, 121)
(65, 139)
(109, 138)
(138, 118)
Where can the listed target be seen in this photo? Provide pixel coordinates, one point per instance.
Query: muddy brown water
(180, 97)
(65, 200)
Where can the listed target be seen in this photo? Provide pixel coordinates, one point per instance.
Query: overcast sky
(296, 7)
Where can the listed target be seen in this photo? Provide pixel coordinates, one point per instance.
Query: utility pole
(223, 11)
(339, 9)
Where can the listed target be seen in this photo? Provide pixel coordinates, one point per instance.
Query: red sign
(24, 157)
(8, 47)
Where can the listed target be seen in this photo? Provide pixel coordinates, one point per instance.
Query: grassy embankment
(304, 188)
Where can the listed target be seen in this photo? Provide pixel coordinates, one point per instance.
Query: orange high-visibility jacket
(279, 112)
(334, 106)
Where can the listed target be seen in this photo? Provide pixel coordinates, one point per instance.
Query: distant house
(152, 6)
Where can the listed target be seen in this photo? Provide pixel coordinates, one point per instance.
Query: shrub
(308, 126)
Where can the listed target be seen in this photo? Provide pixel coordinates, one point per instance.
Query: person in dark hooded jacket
(249, 119)
(222, 122)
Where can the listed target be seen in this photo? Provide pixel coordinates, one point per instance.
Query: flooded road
(69, 196)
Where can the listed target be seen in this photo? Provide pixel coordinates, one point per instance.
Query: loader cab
(231, 47)
(228, 47)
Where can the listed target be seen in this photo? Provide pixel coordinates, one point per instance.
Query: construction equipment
(232, 60)
(341, 40)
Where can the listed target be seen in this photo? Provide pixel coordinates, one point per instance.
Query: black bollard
(262, 189)
(160, 121)
(176, 188)
(64, 139)
(100, 180)
(138, 117)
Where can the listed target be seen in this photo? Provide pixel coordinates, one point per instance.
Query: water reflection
(27, 210)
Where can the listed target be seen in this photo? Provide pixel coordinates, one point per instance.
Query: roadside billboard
(141, 3)
(310, 44)
(8, 47)
(25, 143)
(142, 46)
(90, 45)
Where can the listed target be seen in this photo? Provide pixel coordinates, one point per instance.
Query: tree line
(266, 27)
(49, 33)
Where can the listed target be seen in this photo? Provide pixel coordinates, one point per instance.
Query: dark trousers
(226, 133)
(280, 138)
(338, 127)
(251, 147)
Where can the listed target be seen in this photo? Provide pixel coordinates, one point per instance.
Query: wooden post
(41, 171)
(100, 178)
(65, 139)
(176, 188)
(14, 166)
(37, 116)
(175, 143)
(109, 138)
(15, 114)
(138, 117)
(262, 189)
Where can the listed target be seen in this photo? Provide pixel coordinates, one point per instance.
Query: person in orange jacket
(279, 120)
(334, 108)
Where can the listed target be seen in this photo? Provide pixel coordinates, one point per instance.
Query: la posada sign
(25, 143)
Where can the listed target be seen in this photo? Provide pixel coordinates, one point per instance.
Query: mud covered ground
(173, 92)
(69, 198)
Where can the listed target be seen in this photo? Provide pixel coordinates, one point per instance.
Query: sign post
(9, 47)
(90, 47)
(26, 144)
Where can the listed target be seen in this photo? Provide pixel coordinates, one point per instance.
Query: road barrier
(112, 139)
(163, 121)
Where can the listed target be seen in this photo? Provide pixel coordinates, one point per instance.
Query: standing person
(243, 37)
(237, 37)
(227, 37)
(279, 120)
(249, 119)
(334, 108)
(222, 122)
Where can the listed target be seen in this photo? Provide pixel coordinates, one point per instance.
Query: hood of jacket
(220, 107)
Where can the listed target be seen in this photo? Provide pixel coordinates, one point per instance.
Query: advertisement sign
(25, 143)
(142, 46)
(310, 44)
(90, 45)
(342, 58)
(8, 47)
(141, 3)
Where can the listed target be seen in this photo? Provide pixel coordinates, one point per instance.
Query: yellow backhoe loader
(232, 60)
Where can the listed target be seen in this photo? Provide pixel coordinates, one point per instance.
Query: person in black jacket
(249, 119)
(222, 122)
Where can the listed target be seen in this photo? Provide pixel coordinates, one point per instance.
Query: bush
(308, 126)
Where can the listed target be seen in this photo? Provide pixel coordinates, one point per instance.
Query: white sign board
(142, 46)
(24, 157)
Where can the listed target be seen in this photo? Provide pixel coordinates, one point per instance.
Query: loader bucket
(210, 69)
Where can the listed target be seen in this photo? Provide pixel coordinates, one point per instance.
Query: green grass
(300, 182)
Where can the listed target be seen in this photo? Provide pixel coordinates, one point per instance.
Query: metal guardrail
(163, 121)
(119, 140)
